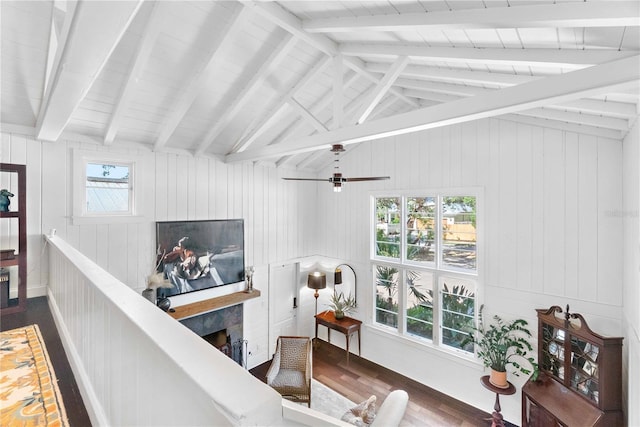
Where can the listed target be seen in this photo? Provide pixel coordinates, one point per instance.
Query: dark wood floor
(357, 381)
(38, 312)
(363, 378)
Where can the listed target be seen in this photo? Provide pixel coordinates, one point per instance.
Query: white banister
(135, 365)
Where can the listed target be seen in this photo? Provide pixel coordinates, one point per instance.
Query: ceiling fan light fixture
(337, 179)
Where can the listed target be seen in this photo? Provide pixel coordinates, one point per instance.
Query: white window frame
(436, 268)
(81, 158)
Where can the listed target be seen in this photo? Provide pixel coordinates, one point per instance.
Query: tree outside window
(431, 260)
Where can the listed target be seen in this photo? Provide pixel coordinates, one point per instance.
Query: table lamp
(317, 280)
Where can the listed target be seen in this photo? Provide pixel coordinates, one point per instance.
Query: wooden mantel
(210, 304)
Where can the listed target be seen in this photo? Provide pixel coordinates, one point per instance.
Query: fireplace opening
(222, 329)
(221, 341)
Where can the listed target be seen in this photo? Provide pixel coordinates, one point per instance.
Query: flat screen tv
(196, 255)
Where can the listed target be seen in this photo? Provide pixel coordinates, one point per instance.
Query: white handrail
(135, 365)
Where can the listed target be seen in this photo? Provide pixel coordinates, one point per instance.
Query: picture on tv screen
(196, 255)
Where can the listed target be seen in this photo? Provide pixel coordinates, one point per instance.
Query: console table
(347, 325)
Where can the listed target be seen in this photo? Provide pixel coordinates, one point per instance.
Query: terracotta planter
(498, 379)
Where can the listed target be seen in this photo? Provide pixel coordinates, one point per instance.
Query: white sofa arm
(392, 409)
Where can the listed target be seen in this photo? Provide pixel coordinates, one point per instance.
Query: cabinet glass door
(584, 368)
(553, 351)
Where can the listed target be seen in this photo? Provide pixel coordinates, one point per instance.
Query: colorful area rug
(29, 394)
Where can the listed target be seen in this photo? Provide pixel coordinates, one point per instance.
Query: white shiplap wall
(277, 214)
(549, 232)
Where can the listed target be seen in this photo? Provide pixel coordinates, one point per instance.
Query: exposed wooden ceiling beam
(266, 69)
(95, 32)
(316, 109)
(383, 87)
(567, 58)
(559, 15)
(149, 35)
(261, 123)
(293, 25)
(578, 118)
(193, 86)
(306, 114)
(456, 75)
(445, 92)
(551, 90)
(569, 127)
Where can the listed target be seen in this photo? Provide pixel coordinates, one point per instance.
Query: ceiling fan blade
(307, 179)
(366, 178)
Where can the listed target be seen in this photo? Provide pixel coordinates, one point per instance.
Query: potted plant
(342, 305)
(501, 344)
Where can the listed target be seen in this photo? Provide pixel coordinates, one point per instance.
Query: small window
(108, 188)
(105, 187)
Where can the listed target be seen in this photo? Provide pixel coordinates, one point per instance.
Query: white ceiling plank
(255, 130)
(570, 127)
(622, 110)
(562, 15)
(571, 59)
(338, 91)
(307, 115)
(554, 89)
(194, 86)
(383, 87)
(278, 54)
(578, 118)
(457, 75)
(143, 51)
(95, 31)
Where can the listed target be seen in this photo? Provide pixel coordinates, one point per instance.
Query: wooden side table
(347, 325)
(496, 418)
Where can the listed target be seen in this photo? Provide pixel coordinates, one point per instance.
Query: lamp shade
(317, 280)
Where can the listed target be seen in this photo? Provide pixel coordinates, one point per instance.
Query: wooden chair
(290, 371)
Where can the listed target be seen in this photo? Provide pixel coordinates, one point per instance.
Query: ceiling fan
(337, 179)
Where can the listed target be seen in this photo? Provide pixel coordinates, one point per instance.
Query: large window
(425, 266)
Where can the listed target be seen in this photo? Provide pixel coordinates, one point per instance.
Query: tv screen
(196, 255)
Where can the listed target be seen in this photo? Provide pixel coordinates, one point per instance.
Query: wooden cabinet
(580, 375)
(16, 220)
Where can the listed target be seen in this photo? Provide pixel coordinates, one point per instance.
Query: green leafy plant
(342, 305)
(504, 343)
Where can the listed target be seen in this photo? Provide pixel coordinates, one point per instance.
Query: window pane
(387, 295)
(420, 304)
(388, 227)
(458, 312)
(459, 232)
(107, 188)
(421, 217)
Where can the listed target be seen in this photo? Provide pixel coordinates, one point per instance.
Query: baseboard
(91, 401)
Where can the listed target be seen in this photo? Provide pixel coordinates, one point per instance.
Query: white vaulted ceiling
(279, 81)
